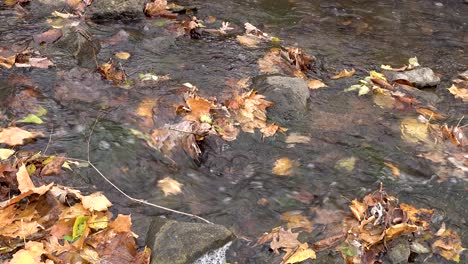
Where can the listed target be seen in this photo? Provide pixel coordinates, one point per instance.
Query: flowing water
(232, 182)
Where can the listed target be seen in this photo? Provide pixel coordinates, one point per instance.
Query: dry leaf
(329, 241)
(122, 223)
(170, 186)
(158, 8)
(414, 131)
(343, 74)
(49, 37)
(301, 253)
(461, 93)
(284, 239)
(448, 245)
(96, 202)
(283, 167)
(109, 72)
(358, 209)
(24, 181)
(13, 136)
(296, 138)
(198, 107)
(41, 63)
(54, 167)
(315, 84)
(31, 254)
(6, 153)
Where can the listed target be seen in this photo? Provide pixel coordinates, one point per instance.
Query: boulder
(182, 242)
(116, 9)
(419, 77)
(289, 95)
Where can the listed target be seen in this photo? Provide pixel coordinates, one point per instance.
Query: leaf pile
(381, 219)
(56, 224)
(23, 58)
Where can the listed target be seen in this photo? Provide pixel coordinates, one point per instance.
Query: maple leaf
(14, 136)
(170, 186)
(95, 202)
(199, 107)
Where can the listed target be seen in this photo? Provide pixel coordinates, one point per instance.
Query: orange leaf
(343, 74)
(358, 209)
(122, 223)
(13, 136)
(170, 186)
(96, 202)
(283, 167)
(315, 84)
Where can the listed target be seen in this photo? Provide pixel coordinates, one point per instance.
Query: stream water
(231, 181)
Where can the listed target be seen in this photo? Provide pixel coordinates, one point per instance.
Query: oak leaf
(284, 239)
(96, 202)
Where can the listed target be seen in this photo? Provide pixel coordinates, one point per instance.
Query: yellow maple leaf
(96, 202)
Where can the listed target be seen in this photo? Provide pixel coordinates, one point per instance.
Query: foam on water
(217, 256)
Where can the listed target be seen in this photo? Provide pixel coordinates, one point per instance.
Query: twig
(125, 194)
(50, 139)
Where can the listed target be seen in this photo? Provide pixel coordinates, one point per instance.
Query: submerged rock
(116, 9)
(289, 95)
(419, 77)
(182, 243)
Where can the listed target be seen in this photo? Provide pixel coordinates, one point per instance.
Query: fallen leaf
(31, 254)
(414, 131)
(90, 255)
(448, 245)
(97, 222)
(42, 63)
(315, 84)
(170, 186)
(284, 239)
(31, 118)
(54, 167)
(270, 130)
(461, 93)
(343, 74)
(358, 209)
(109, 72)
(283, 167)
(7, 58)
(395, 169)
(49, 37)
(294, 219)
(429, 113)
(14, 136)
(122, 223)
(158, 8)
(96, 202)
(329, 241)
(6, 153)
(248, 40)
(24, 181)
(347, 164)
(398, 229)
(198, 107)
(300, 254)
(122, 55)
(296, 138)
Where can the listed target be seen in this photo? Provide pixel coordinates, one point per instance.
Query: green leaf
(31, 118)
(31, 168)
(68, 238)
(363, 90)
(66, 165)
(79, 226)
(160, 22)
(206, 119)
(41, 111)
(48, 160)
(413, 62)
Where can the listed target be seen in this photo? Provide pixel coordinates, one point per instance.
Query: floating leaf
(31, 118)
(448, 245)
(249, 40)
(170, 186)
(395, 169)
(343, 74)
(49, 37)
(294, 219)
(414, 131)
(461, 93)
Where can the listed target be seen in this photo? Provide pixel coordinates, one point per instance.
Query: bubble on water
(217, 256)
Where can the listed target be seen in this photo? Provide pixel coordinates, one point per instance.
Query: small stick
(50, 139)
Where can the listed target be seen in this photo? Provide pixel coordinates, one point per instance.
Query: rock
(116, 9)
(81, 44)
(419, 77)
(399, 252)
(289, 94)
(181, 242)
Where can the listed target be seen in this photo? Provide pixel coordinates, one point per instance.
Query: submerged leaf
(283, 167)
(343, 74)
(170, 186)
(303, 252)
(31, 118)
(315, 84)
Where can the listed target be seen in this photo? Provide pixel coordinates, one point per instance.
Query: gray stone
(400, 252)
(81, 44)
(116, 8)
(181, 242)
(289, 95)
(419, 77)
